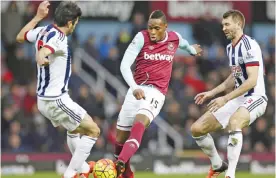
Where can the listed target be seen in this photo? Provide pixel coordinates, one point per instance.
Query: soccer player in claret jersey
(240, 107)
(153, 50)
(54, 69)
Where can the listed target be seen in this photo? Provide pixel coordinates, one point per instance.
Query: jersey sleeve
(184, 45)
(130, 55)
(31, 35)
(251, 57)
(53, 41)
(136, 44)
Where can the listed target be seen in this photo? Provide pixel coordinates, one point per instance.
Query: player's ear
(69, 24)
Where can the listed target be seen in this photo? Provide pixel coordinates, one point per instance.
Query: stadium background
(29, 143)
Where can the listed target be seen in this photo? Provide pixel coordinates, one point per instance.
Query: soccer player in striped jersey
(239, 108)
(54, 69)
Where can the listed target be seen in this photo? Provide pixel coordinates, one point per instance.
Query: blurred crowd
(24, 129)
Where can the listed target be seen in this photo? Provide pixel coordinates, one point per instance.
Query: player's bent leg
(133, 142)
(90, 132)
(200, 131)
(238, 121)
(205, 124)
(121, 138)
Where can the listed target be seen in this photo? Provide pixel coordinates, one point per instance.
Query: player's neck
(237, 38)
(164, 37)
(61, 29)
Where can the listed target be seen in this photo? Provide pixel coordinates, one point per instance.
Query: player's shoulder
(53, 32)
(174, 35)
(249, 43)
(143, 32)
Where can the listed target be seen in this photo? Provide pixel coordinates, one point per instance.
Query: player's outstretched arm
(250, 83)
(229, 83)
(42, 12)
(194, 50)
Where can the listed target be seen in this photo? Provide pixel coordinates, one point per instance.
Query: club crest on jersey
(170, 46)
(240, 59)
(151, 47)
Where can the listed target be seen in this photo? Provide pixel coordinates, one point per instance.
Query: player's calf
(134, 141)
(90, 132)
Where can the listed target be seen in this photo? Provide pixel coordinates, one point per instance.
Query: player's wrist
(213, 92)
(226, 97)
(192, 50)
(37, 18)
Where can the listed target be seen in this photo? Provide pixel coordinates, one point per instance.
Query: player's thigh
(65, 112)
(252, 108)
(47, 108)
(151, 106)
(128, 112)
(205, 124)
(224, 113)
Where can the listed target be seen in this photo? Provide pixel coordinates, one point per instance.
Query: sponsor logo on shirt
(158, 56)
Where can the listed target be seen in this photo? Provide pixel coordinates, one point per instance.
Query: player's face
(229, 27)
(72, 27)
(156, 29)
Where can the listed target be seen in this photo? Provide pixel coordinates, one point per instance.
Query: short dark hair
(65, 12)
(236, 15)
(158, 14)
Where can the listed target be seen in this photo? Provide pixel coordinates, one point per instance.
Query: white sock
(233, 151)
(72, 142)
(81, 153)
(206, 143)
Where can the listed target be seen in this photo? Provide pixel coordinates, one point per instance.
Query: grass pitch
(140, 175)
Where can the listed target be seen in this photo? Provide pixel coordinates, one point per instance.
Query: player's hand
(217, 103)
(202, 97)
(42, 10)
(42, 61)
(139, 94)
(198, 49)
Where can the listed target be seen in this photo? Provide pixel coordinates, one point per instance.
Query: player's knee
(143, 118)
(197, 130)
(234, 124)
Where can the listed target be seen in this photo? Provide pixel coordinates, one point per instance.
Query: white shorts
(63, 111)
(150, 107)
(256, 106)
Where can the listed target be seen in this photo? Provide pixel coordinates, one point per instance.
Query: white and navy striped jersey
(52, 80)
(246, 53)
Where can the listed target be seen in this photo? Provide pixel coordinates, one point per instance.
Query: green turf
(141, 175)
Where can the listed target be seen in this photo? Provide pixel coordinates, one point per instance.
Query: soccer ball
(104, 168)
